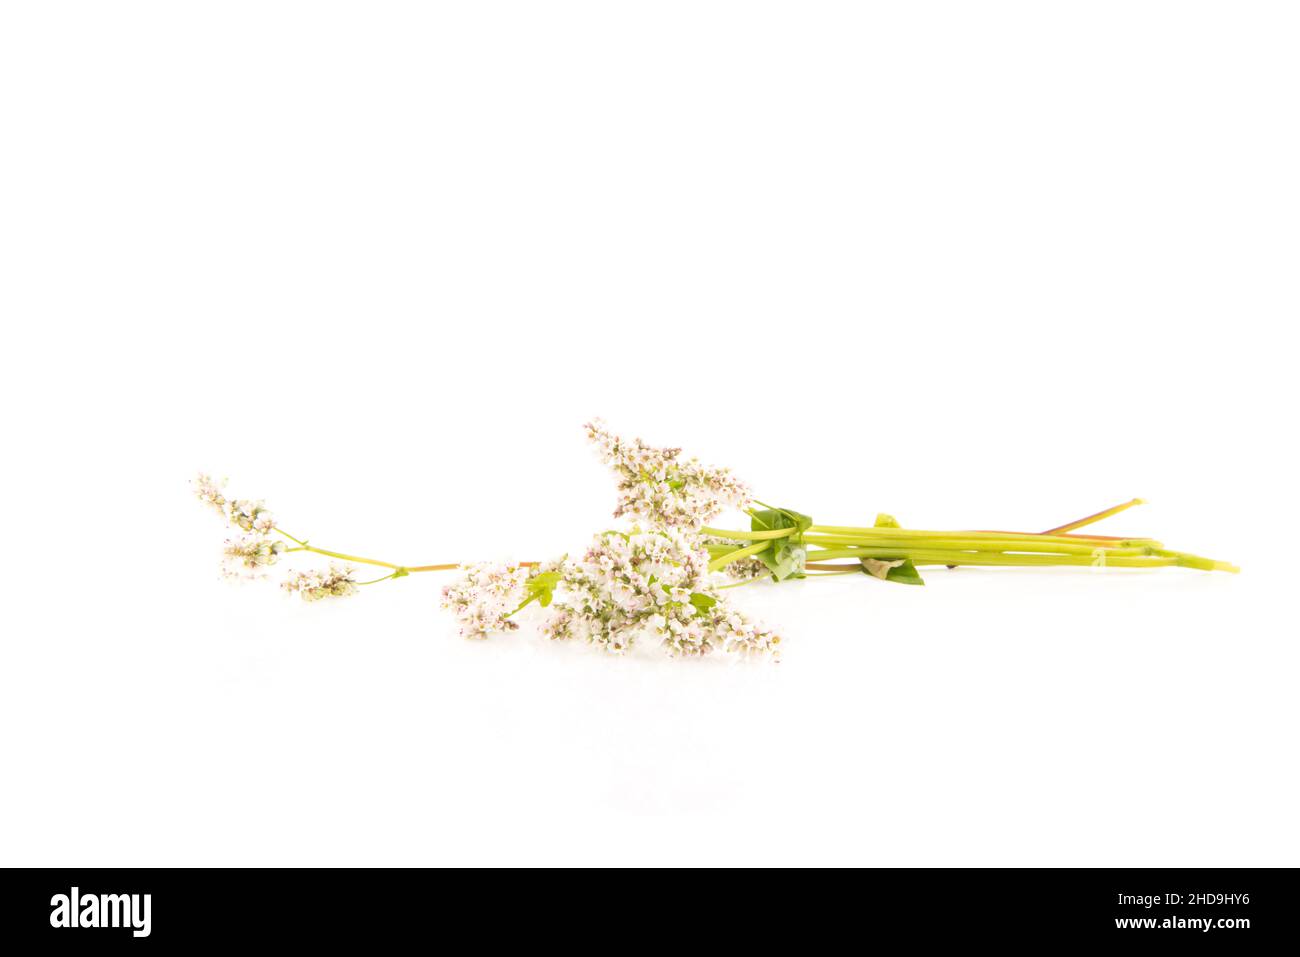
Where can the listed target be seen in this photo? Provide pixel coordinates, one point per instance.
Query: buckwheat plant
(663, 576)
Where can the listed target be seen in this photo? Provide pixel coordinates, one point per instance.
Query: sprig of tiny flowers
(659, 490)
(337, 582)
(256, 546)
(485, 596)
(659, 577)
(626, 586)
(251, 551)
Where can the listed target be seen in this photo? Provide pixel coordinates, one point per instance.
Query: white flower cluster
(209, 492)
(656, 488)
(245, 557)
(485, 596)
(651, 580)
(735, 633)
(252, 551)
(627, 585)
(313, 585)
(251, 516)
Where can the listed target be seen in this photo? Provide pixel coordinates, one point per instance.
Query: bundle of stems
(886, 542)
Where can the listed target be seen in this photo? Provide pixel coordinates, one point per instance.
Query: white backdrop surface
(992, 266)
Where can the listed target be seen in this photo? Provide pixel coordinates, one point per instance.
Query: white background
(988, 265)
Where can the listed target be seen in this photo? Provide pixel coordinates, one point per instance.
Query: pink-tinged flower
(336, 582)
(739, 635)
(658, 488)
(247, 556)
(209, 493)
(632, 584)
(244, 514)
(251, 516)
(484, 597)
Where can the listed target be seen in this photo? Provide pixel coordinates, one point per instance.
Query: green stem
(938, 556)
(766, 535)
(724, 560)
(351, 558)
(1187, 560)
(304, 547)
(917, 533)
(376, 581)
(974, 544)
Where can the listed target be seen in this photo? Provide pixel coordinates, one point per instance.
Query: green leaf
(783, 560)
(540, 589)
(906, 573)
(702, 602)
(770, 518)
(785, 557)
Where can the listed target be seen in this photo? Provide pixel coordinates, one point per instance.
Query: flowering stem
(651, 577)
